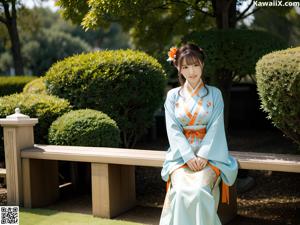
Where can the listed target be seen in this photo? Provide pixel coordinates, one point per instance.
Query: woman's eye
(184, 67)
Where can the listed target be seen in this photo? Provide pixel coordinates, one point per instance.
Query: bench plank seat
(153, 158)
(2, 172)
(3, 175)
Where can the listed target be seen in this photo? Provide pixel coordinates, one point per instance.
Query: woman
(198, 155)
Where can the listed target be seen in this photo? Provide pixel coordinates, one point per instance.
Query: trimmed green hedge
(278, 82)
(84, 127)
(36, 86)
(44, 107)
(11, 85)
(126, 85)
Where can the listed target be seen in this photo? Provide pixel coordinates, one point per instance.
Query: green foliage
(126, 85)
(11, 85)
(74, 9)
(278, 82)
(152, 25)
(85, 127)
(6, 62)
(44, 107)
(234, 50)
(284, 21)
(111, 38)
(49, 47)
(36, 86)
(36, 45)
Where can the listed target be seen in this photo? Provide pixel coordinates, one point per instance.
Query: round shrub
(278, 82)
(36, 86)
(44, 107)
(127, 85)
(85, 127)
(11, 85)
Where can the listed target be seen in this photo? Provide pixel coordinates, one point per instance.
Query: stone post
(18, 134)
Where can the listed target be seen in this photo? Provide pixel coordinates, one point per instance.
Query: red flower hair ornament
(172, 54)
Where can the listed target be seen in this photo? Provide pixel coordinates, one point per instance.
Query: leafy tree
(154, 24)
(283, 21)
(111, 38)
(33, 23)
(49, 47)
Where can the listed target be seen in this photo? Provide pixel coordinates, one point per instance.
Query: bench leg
(228, 212)
(113, 189)
(40, 182)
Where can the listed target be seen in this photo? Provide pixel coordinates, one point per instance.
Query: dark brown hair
(190, 53)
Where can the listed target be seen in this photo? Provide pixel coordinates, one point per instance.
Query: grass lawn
(53, 217)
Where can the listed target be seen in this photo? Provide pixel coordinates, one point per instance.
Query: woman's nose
(191, 70)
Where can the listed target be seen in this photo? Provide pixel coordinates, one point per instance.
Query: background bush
(127, 85)
(36, 86)
(11, 85)
(84, 127)
(234, 50)
(50, 46)
(278, 83)
(44, 107)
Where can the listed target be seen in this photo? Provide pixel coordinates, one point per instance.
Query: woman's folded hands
(197, 163)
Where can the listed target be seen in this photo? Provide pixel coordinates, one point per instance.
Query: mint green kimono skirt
(192, 198)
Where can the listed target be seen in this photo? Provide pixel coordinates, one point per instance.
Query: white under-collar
(187, 86)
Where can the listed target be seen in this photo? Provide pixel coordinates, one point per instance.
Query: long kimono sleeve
(177, 140)
(214, 145)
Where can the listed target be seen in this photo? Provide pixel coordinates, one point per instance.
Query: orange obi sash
(191, 134)
(225, 188)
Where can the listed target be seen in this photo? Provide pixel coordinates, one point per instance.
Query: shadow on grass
(37, 211)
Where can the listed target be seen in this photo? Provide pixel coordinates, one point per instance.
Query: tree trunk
(16, 47)
(225, 12)
(223, 80)
(11, 24)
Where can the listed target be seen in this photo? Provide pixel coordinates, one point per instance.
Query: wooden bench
(3, 175)
(113, 177)
(32, 170)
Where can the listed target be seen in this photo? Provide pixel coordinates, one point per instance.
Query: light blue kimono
(213, 147)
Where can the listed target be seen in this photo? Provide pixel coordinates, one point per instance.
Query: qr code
(9, 215)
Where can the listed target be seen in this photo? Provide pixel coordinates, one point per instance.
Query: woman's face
(192, 72)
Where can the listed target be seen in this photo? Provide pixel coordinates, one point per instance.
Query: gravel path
(3, 196)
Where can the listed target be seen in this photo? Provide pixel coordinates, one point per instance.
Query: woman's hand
(203, 161)
(197, 163)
